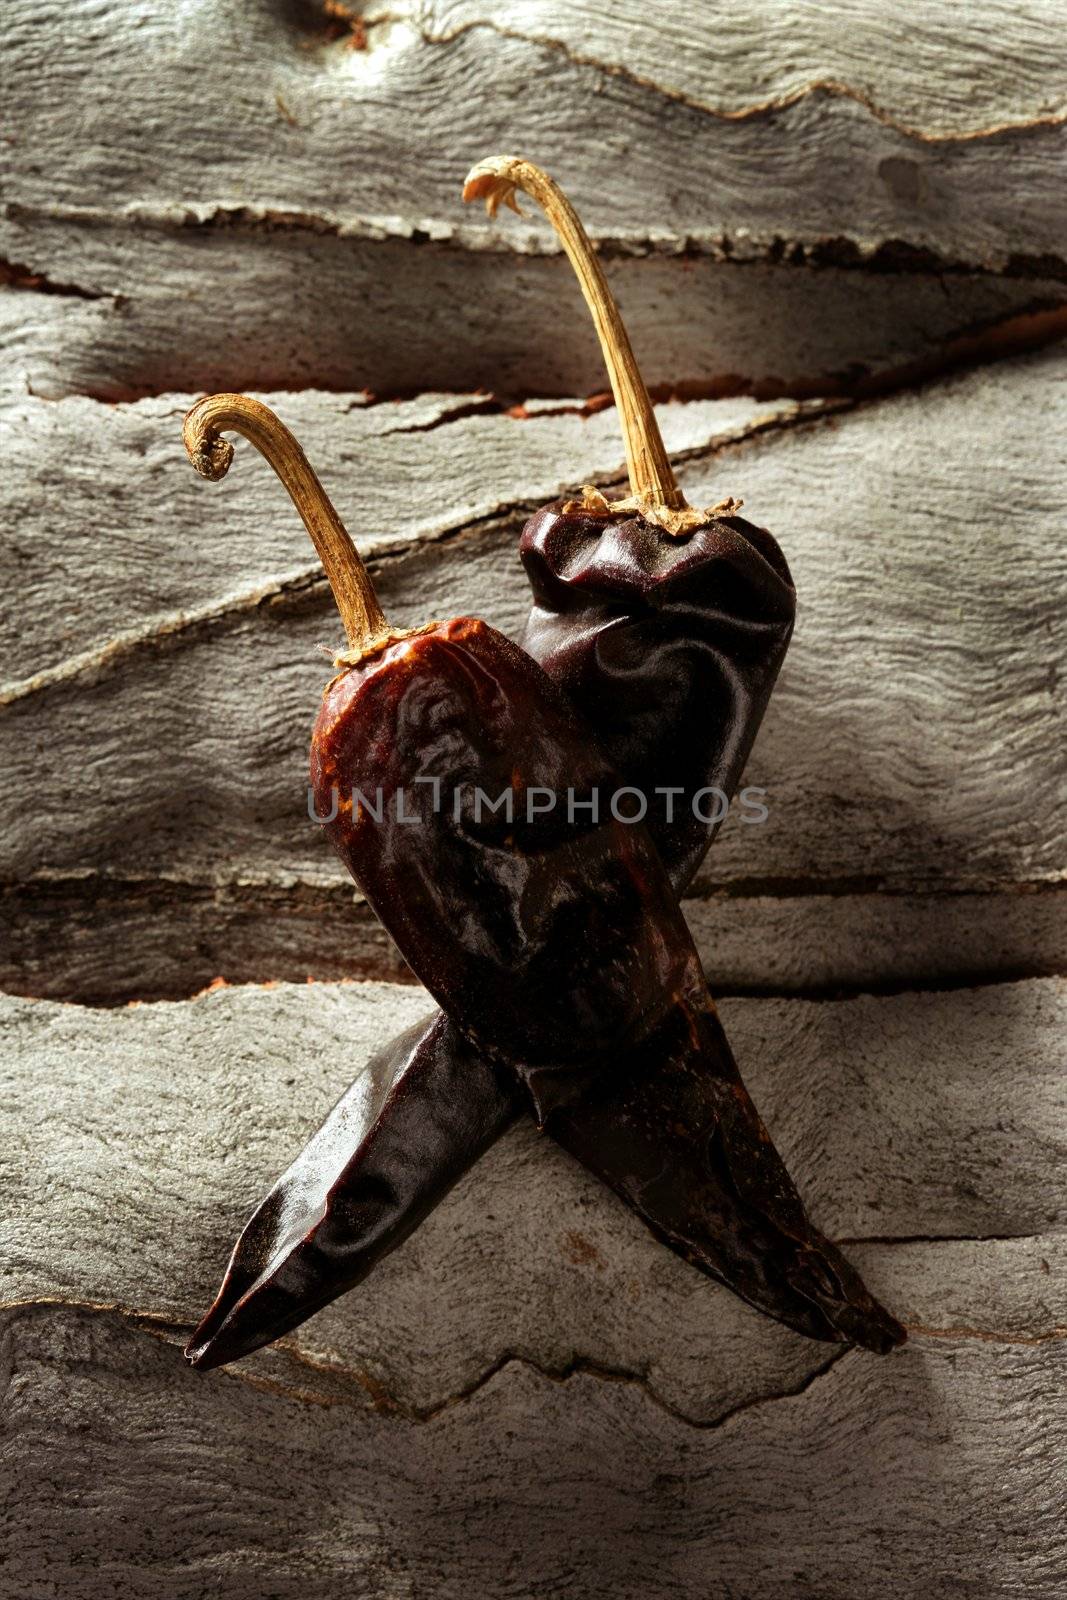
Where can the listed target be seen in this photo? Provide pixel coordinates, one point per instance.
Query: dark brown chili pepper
(665, 625)
(630, 980)
(674, 656)
(416, 1119)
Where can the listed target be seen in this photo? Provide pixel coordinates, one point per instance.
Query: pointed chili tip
(833, 1289)
(207, 1350)
(192, 1357)
(229, 1328)
(201, 1357)
(879, 1331)
(251, 1313)
(872, 1326)
(205, 1347)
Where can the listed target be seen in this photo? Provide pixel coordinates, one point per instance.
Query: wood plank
(334, 312)
(149, 541)
(531, 1397)
(414, 1438)
(924, 1118)
(105, 939)
(938, 1471)
(907, 748)
(993, 63)
(727, 148)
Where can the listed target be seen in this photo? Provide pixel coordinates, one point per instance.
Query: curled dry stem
(365, 622)
(654, 491)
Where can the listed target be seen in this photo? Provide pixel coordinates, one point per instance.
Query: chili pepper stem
(653, 487)
(364, 620)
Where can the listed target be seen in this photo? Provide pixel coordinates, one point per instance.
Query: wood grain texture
(986, 66)
(258, 109)
(926, 1118)
(382, 1448)
(130, 1474)
(832, 203)
(107, 938)
(148, 541)
(144, 311)
(914, 744)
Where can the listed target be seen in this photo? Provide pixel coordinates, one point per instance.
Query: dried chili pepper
(287, 1262)
(550, 937)
(665, 625)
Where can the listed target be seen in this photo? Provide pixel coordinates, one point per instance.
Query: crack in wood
(358, 1388)
(750, 888)
(1035, 328)
(839, 252)
(937, 1238)
(888, 988)
(364, 968)
(16, 275)
(158, 630)
(365, 1389)
(94, 882)
(582, 1366)
(920, 1330)
(829, 88)
(525, 410)
(1000, 341)
(488, 405)
(261, 931)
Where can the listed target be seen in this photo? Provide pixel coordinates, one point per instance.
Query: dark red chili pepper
(352, 1194)
(702, 627)
(673, 649)
(545, 927)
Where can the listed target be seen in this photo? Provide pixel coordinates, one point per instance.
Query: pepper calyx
(674, 520)
(381, 641)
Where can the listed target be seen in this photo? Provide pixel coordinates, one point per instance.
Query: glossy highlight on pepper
(671, 650)
(551, 943)
(400, 684)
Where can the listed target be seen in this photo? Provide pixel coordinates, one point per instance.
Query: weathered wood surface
(417, 1451)
(105, 939)
(297, 195)
(162, 638)
(256, 110)
(405, 474)
(867, 1483)
(829, 203)
(287, 309)
(989, 66)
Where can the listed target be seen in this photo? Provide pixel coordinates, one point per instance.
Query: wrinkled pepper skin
(669, 648)
(551, 940)
(567, 958)
(710, 1184)
(359, 1187)
(628, 621)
